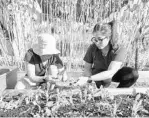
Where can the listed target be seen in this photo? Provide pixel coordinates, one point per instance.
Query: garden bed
(84, 101)
(70, 101)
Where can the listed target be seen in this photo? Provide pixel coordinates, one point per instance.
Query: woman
(103, 61)
(42, 63)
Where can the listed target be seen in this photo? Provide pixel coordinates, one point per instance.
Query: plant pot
(8, 78)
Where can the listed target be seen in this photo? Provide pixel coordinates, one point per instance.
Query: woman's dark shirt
(101, 63)
(37, 60)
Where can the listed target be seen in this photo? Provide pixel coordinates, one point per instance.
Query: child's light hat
(46, 45)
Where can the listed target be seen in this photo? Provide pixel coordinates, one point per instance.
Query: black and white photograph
(74, 58)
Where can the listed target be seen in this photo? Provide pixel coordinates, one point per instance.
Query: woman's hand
(82, 81)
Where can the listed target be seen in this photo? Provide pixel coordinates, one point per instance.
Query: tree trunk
(136, 54)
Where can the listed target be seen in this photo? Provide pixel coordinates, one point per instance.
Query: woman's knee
(130, 73)
(126, 73)
(128, 76)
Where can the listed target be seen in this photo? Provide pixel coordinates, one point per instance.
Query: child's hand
(62, 75)
(48, 77)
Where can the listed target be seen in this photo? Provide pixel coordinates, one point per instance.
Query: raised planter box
(143, 76)
(126, 104)
(8, 78)
(124, 91)
(112, 91)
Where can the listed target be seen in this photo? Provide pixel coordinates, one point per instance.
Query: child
(42, 63)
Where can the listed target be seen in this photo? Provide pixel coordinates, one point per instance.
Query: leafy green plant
(137, 106)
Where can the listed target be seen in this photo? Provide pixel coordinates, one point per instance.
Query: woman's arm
(114, 66)
(87, 70)
(30, 69)
(112, 69)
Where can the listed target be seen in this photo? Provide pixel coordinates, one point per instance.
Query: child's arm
(57, 68)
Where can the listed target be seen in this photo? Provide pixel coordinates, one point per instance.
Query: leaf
(54, 108)
(135, 7)
(138, 97)
(137, 106)
(48, 112)
(147, 92)
(50, 104)
(145, 30)
(145, 111)
(134, 92)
